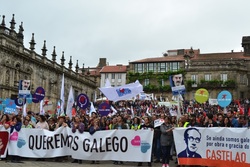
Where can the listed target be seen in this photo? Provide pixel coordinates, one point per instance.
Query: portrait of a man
(177, 80)
(192, 138)
(24, 87)
(177, 84)
(25, 84)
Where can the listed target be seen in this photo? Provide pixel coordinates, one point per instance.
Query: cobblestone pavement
(67, 163)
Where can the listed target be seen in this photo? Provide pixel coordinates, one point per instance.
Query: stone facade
(18, 63)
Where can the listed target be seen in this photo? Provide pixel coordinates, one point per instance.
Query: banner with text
(220, 147)
(117, 145)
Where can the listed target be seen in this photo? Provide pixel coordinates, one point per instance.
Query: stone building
(214, 72)
(19, 63)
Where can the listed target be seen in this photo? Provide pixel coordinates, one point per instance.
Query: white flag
(125, 92)
(148, 108)
(41, 108)
(24, 110)
(70, 103)
(114, 110)
(95, 96)
(62, 96)
(92, 108)
(132, 112)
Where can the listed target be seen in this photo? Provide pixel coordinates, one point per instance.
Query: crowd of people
(136, 115)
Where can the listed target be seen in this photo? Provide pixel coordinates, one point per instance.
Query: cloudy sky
(129, 30)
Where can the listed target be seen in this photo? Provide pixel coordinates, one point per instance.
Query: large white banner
(124, 92)
(220, 147)
(102, 145)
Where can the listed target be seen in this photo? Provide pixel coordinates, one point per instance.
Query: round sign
(20, 101)
(40, 93)
(82, 101)
(104, 109)
(224, 98)
(201, 95)
(34, 99)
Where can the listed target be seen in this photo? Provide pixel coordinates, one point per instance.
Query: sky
(128, 30)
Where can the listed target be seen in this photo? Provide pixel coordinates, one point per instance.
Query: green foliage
(150, 88)
(165, 88)
(230, 83)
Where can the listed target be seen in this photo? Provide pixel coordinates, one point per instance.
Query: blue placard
(10, 107)
(2, 104)
(224, 98)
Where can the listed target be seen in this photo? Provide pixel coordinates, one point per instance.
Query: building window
(174, 66)
(146, 82)
(119, 76)
(162, 67)
(241, 79)
(135, 68)
(150, 67)
(113, 76)
(208, 77)
(223, 77)
(106, 76)
(194, 78)
(140, 68)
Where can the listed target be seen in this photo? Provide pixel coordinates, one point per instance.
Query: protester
(136, 124)
(166, 140)
(93, 128)
(146, 126)
(52, 124)
(15, 125)
(209, 122)
(42, 124)
(26, 124)
(120, 125)
(77, 124)
(5, 121)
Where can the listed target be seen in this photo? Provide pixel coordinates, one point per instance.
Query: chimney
(102, 62)
(246, 45)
